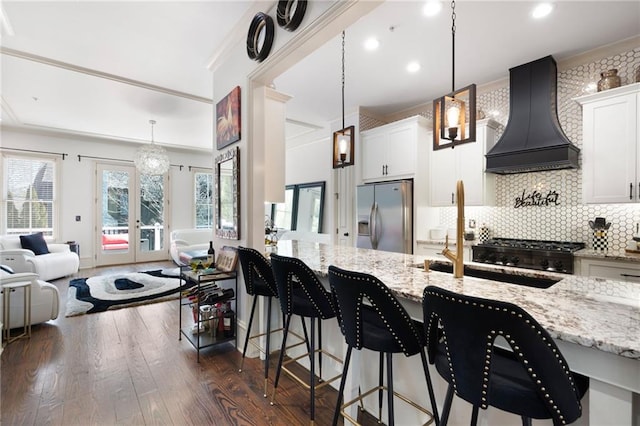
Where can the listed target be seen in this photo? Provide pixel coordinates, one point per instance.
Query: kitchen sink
(501, 276)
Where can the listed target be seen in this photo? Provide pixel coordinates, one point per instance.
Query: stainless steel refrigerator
(385, 219)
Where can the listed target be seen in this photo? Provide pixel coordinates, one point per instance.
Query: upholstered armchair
(184, 243)
(45, 298)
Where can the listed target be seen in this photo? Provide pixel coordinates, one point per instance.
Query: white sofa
(183, 242)
(45, 299)
(60, 262)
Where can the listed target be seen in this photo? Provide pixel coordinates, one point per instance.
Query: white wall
(78, 182)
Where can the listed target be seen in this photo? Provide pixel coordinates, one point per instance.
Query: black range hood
(533, 140)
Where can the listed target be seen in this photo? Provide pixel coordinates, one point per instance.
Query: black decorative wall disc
(290, 13)
(260, 37)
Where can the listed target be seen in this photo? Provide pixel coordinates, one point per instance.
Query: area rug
(104, 292)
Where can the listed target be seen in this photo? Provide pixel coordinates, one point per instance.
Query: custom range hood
(533, 140)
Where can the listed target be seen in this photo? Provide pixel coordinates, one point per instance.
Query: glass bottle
(211, 255)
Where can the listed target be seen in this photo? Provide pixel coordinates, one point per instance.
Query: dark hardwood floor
(127, 366)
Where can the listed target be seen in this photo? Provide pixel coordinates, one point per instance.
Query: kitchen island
(595, 322)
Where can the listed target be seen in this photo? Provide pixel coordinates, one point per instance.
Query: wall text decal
(537, 199)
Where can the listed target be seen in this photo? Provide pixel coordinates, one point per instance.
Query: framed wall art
(228, 119)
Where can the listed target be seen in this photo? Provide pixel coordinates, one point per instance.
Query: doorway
(131, 215)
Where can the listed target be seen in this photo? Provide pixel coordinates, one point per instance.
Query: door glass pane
(283, 211)
(115, 211)
(151, 212)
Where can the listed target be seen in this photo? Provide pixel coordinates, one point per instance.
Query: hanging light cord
(342, 79)
(453, 45)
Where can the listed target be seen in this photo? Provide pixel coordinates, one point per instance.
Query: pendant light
(343, 140)
(152, 159)
(450, 121)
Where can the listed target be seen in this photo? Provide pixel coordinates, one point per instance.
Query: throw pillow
(35, 243)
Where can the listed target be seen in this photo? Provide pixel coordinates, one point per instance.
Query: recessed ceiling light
(413, 67)
(542, 10)
(371, 43)
(432, 8)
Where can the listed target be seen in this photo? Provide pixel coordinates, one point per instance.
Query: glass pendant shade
(454, 117)
(343, 147)
(152, 159)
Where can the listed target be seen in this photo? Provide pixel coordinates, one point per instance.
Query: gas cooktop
(556, 256)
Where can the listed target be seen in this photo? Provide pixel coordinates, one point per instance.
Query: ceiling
(105, 69)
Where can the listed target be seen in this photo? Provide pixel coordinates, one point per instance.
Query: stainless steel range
(555, 256)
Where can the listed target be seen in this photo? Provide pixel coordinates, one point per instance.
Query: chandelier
(152, 159)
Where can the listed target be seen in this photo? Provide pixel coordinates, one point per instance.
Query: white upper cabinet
(467, 163)
(390, 151)
(610, 152)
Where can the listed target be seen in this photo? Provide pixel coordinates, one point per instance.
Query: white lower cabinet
(465, 162)
(611, 269)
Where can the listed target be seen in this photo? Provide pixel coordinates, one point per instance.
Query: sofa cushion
(35, 243)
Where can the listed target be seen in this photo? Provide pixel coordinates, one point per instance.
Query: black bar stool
(528, 377)
(259, 281)
(301, 293)
(372, 318)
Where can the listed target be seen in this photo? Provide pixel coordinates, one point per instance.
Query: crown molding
(95, 73)
(94, 137)
(8, 110)
(7, 28)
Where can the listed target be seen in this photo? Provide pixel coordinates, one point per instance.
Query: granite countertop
(452, 242)
(592, 312)
(608, 255)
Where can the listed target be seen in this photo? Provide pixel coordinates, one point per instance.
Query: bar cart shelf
(208, 287)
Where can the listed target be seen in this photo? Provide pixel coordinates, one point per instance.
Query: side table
(7, 289)
(208, 286)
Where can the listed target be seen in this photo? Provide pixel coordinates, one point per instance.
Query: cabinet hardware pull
(630, 191)
(452, 198)
(630, 275)
(383, 170)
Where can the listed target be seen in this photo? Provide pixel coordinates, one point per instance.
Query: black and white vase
(600, 240)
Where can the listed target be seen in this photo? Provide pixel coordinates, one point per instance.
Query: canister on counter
(484, 234)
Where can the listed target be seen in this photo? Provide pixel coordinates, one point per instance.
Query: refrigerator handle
(373, 221)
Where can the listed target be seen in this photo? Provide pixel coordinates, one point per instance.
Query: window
(302, 209)
(203, 189)
(29, 195)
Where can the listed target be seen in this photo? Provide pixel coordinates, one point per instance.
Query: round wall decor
(290, 13)
(260, 37)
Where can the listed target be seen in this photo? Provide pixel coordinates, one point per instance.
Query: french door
(131, 216)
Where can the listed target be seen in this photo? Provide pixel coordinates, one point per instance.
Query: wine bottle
(211, 255)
